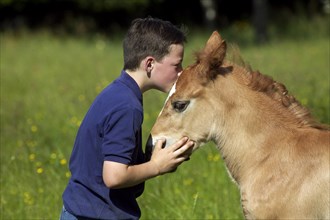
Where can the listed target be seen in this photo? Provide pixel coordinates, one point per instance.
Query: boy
(107, 164)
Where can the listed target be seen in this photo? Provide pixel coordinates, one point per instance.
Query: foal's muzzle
(151, 145)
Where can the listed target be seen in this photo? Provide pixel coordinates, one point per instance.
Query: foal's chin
(169, 141)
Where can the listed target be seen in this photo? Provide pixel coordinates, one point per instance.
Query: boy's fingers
(179, 144)
(185, 148)
(159, 144)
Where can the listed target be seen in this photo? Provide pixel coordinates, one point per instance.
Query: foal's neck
(251, 124)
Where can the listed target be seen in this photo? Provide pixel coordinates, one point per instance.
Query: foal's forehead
(188, 76)
(185, 82)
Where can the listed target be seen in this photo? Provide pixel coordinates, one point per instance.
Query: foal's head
(218, 100)
(190, 98)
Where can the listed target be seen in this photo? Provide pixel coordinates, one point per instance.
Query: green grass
(48, 83)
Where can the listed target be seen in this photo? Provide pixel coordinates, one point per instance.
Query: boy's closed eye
(178, 66)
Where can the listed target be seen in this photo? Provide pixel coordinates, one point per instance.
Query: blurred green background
(56, 56)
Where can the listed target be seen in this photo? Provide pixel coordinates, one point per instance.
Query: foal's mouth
(151, 142)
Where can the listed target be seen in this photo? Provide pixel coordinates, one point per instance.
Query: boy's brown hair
(149, 37)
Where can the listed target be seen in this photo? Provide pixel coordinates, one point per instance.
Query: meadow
(48, 83)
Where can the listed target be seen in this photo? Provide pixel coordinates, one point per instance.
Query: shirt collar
(131, 83)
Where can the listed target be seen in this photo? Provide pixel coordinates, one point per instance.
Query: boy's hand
(169, 158)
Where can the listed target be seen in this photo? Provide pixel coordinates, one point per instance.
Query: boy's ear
(149, 64)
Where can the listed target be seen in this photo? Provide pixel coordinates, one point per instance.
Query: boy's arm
(163, 160)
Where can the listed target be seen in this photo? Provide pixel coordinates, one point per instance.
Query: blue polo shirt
(110, 131)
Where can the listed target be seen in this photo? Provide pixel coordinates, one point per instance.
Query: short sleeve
(120, 132)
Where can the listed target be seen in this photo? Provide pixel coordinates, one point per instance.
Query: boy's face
(165, 71)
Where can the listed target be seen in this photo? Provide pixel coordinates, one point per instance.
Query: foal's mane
(273, 89)
(278, 92)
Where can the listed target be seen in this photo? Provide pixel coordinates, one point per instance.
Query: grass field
(48, 83)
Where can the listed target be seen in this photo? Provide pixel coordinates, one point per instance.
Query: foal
(273, 149)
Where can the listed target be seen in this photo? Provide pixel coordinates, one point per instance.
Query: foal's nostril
(149, 148)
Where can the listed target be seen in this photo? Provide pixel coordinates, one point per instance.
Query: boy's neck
(141, 78)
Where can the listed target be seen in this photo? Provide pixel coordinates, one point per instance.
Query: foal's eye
(180, 106)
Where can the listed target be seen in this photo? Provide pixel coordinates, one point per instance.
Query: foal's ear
(215, 52)
(215, 44)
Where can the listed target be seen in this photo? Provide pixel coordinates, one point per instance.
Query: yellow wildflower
(31, 143)
(216, 157)
(63, 161)
(78, 123)
(34, 128)
(209, 216)
(68, 174)
(213, 157)
(74, 120)
(40, 170)
(53, 156)
(32, 157)
(28, 198)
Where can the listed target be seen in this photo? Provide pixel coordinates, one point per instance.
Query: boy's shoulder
(117, 95)
(114, 93)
